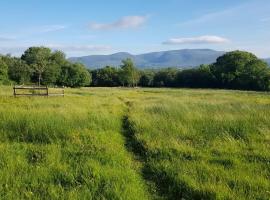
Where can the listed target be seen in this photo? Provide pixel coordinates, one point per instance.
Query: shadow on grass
(132, 144)
(162, 184)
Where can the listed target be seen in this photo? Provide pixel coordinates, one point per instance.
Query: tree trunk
(39, 79)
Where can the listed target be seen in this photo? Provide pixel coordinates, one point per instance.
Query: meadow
(118, 143)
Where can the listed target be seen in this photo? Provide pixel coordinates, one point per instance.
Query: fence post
(47, 90)
(14, 91)
(63, 91)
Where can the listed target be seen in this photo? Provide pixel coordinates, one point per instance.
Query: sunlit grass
(65, 148)
(206, 144)
(116, 143)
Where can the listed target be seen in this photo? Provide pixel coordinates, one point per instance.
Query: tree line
(233, 70)
(40, 65)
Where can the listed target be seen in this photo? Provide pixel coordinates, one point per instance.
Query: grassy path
(138, 153)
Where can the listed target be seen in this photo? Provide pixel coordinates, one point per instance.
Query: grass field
(111, 143)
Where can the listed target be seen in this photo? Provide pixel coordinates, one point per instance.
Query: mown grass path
(138, 152)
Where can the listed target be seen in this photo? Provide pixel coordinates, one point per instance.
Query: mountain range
(268, 61)
(175, 58)
(183, 58)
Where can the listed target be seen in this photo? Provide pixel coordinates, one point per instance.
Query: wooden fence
(37, 91)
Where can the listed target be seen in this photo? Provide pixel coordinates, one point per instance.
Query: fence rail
(36, 91)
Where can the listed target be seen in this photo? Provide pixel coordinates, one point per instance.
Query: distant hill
(268, 61)
(176, 58)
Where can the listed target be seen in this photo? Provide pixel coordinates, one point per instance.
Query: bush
(241, 70)
(74, 75)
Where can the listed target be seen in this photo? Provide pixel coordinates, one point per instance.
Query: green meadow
(119, 143)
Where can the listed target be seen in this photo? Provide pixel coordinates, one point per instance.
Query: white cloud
(206, 39)
(123, 23)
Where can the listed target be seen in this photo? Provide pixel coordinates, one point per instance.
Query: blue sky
(85, 27)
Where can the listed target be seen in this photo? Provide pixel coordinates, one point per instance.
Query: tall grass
(65, 148)
(110, 143)
(202, 144)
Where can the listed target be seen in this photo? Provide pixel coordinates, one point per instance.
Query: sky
(90, 27)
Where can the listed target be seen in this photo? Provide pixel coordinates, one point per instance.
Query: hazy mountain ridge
(268, 61)
(174, 58)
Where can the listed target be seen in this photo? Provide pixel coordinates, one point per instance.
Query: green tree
(200, 77)
(3, 71)
(74, 75)
(107, 76)
(19, 71)
(129, 75)
(146, 78)
(227, 67)
(52, 72)
(239, 69)
(38, 58)
(255, 76)
(165, 78)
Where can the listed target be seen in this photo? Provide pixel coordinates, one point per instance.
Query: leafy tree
(235, 70)
(58, 57)
(129, 75)
(200, 77)
(52, 72)
(38, 58)
(239, 69)
(165, 78)
(146, 78)
(19, 71)
(227, 67)
(50, 75)
(3, 71)
(205, 77)
(255, 76)
(74, 75)
(107, 76)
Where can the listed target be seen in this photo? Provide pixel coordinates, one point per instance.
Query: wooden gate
(36, 91)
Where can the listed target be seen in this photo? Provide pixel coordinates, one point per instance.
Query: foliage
(255, 76)
(74, 75)
(129, 75)
(18, 70)
(196, 78)
(43, 66)
(241, 70)
(147, 78)
(165, 78)
(3, 71)
(52, 73)
(234, 70)
(108, 76)
(39, 59)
